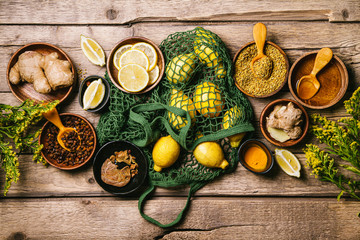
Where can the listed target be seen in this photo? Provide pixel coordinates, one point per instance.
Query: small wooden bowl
(286, 75)
(109, 149)
(113, 71)
(43, 139)
(25, 90)
(334, 73)
(253, 142)
(266, 112)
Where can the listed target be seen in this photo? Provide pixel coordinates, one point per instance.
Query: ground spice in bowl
(250, 84)
(57, 156)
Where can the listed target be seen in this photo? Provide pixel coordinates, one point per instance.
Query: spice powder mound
(78, 154)
(245, 77)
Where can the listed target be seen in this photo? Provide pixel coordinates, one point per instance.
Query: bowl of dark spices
(81, 143)
(120, 167)
(269, 80)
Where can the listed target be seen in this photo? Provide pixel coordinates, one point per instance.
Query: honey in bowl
(329, 78)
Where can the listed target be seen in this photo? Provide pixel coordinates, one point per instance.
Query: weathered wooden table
(48, 203)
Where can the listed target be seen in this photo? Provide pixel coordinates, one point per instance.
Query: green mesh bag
(196, 101)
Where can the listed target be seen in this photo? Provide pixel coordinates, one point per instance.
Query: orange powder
(256, 158)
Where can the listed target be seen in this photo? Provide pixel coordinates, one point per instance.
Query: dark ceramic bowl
(283, 81)
(43, 139)
(106, 151)
(266, 112)
(85, 83)
(113, 71)
(335, 69)
(253, 142)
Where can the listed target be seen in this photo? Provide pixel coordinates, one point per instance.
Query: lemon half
(94, 94)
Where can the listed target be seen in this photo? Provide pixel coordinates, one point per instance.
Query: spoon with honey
(53, 117)
(261, 65)
(308, 85)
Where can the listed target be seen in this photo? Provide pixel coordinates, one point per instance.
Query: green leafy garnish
(342, 139)
(14, 124)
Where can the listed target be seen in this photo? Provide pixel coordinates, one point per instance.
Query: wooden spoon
(308, 85)
(259, 33)
(53, 116)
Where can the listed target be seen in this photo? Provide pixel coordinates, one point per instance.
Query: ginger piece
(28, 68)
(286, 118)
(58, 72)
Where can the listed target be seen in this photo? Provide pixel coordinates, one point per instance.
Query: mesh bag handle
(193, 188)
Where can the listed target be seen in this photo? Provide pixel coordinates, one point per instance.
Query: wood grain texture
(215, 218)
(129, 12)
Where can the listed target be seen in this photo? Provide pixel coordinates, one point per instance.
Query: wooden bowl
(284, 81)
(109, 149)
(113, 71)
(25, 90)
(266, 112)
(43, 139)
(253, 142)
(333, 74)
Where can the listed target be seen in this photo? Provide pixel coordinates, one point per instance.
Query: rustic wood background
(51, 204)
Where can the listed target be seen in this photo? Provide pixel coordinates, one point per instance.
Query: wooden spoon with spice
(308, 85)
(53, 117)
(261, 65)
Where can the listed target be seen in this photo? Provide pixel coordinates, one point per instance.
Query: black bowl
(85, 83)
(251, 142)
(106, 151)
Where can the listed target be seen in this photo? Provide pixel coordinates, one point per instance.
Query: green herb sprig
(14, 124)
(342, 138)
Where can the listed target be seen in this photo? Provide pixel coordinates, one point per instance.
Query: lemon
(154, 75)
(134, 56)
(118, 54)
(207, 55)
(288, 162)
(133, 77)
(203, 36)
(94, 94)
(165, 153)
(180, 100)
(231, 118)
(208, 100)
(181, 68)
(92, 50)
(210, 154)
(149, 51)
(220, 71)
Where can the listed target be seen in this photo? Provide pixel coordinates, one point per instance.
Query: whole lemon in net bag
(180, 100)
(208, 100)
(231, 118)
(210, 154)
(180, 68)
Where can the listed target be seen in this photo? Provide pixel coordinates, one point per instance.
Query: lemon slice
(154, 75)
(149, 51)
(134, 56)
(118, 54)
(92, 50)
(94, 94)
(288, 162)
(133, 77)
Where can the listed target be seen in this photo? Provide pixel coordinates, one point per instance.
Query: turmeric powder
(255, 157)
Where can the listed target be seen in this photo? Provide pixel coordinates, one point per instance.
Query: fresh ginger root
(45, 72)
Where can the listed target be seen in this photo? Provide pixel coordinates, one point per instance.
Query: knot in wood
(111, 14)
(345, 13)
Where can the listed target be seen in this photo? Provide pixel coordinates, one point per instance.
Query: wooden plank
(216, 218)
(122, 12)
(292, 37)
